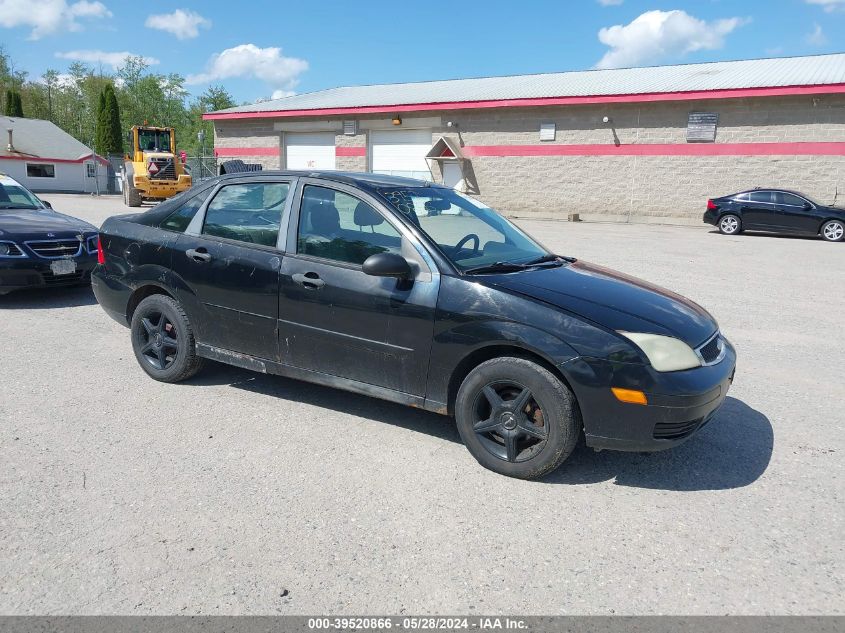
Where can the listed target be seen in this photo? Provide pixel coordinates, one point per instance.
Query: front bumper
(679, 403)
(31, 272)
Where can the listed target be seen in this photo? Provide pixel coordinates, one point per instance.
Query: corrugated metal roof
(755, 73)
(39, 139)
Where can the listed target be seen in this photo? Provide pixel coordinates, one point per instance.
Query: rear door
(758, 211)
(336, 320)
(228, 264)
(795, 214)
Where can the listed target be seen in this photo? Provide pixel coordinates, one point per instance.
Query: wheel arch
(141, 293)
(489, 352)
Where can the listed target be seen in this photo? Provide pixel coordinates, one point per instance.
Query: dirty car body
(406, 291)
(38, 246)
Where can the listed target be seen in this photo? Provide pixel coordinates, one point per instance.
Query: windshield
(16, 197)
(469, 233)
(153, 141)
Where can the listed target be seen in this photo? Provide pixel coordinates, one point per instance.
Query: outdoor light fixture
(606, 120)
(397, 120)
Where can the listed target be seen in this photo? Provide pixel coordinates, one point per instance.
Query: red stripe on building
(40, 159)
(691, 149)
(246, 151)
(350, 151)
(732, 93)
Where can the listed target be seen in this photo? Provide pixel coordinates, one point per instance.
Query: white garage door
(310, 150)
(400, 152)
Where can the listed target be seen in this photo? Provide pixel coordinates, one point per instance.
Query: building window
(39, 170)
(90, 169)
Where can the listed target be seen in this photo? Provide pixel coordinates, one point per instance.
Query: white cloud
(249, 61)
(610, 3)
(281, 94)
(113, 59)
(46, 17)
(829, 5)
(660, 35)
(817, 37)
(183, 23)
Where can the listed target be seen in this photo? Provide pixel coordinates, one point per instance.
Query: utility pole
(201, 139)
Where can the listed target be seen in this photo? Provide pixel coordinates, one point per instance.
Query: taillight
(101, 256)
(712, 206)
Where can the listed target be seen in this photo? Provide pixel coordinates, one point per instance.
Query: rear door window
(179, 220)
(248, 212)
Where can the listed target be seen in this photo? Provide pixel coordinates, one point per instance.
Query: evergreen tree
(18, 111)
(114, 134)
(10, 102)
(100, 126)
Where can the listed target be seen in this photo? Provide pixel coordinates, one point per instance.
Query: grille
(675, 430)
(166, 169)
(56, 249)
(711, 350)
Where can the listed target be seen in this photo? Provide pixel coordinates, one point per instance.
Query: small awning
(445, 150)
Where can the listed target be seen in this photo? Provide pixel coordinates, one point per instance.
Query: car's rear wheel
(730, 225)
(163, 340)
(833, 231)
(517, 418)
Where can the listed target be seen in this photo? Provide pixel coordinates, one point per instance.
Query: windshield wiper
(510, 267)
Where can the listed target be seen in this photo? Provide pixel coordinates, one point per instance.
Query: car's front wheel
(730, 225)
(517, 418)
(163, 340)
(833, 231)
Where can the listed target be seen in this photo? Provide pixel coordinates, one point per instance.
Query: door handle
(311, 281)
(199, 255)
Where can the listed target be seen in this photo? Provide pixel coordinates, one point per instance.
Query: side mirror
(807, 206)
(387, 265)
(46, 204)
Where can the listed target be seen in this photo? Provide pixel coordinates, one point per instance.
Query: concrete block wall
(671, 188)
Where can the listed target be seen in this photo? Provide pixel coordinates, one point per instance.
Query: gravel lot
(243, 493)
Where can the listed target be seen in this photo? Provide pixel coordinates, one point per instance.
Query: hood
(35, 224)
(613, 300)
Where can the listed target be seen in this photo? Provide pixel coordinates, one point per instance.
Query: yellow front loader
(152, 171)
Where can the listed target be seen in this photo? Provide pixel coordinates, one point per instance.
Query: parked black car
(775, 211)
(412, 292)
(39, 247)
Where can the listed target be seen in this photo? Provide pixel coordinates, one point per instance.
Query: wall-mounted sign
(701, 127)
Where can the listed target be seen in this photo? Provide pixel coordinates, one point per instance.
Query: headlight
(91, 244)
(664, 352)
(10, 249)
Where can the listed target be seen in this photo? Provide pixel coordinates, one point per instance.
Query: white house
(43, 157)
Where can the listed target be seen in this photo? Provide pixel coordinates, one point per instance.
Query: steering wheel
(467, 238)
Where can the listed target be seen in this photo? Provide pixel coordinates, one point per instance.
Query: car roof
(792, 191)
(367, 180)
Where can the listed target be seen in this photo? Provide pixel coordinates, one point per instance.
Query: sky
(264, 49)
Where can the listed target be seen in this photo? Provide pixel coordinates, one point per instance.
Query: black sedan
(39, 247)
(775, 211)
(415, 293)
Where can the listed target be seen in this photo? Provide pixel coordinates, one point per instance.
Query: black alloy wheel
(163, 340)
(517, 418)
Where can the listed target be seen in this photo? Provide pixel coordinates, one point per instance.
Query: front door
(229, 268)
(335, 319)
(796, 214)
(758, 211)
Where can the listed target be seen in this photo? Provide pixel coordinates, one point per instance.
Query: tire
(131, 196)
(163, 340)
(833, 231)
(527, 441)
(730, 224)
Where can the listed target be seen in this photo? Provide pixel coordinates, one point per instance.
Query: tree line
(132, 95)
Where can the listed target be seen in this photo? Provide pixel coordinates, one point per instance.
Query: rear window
(179, 220)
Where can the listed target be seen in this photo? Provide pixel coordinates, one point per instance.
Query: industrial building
(641, 144)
